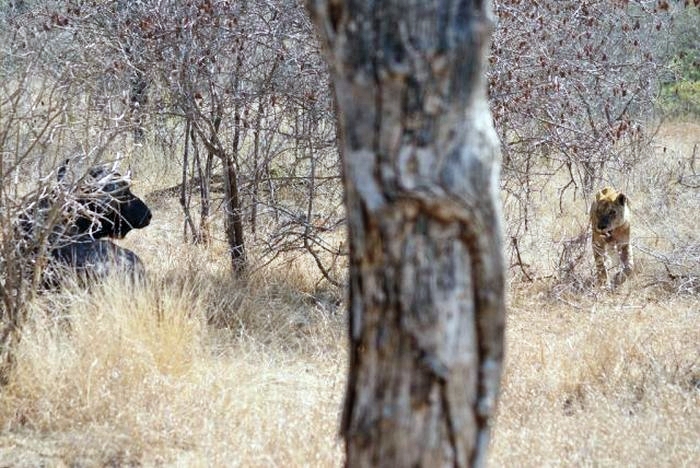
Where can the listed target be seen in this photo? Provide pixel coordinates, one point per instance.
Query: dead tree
(420, 167)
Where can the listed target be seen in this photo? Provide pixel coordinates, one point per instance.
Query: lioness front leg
(599, 258)
(625, 254)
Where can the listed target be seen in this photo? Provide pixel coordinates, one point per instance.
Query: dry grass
(611, 380)
(597, 378)
(196, 369)
(199, 369)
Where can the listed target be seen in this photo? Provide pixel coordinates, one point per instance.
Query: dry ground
(612, 380)
(201, 370)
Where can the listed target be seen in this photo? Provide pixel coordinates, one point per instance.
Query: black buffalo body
(92, 260)
(80, 218)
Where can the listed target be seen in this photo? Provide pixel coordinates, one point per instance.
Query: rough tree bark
(421, 166)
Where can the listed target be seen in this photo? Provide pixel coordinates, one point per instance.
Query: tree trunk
(421, 167)
(138, 100)
(205, 175)
(257, 168)
(234, 219)
(185, 195)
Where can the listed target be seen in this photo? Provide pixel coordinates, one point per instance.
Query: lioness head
(609, 211)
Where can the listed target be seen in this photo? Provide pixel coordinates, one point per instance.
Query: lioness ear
(621, 199)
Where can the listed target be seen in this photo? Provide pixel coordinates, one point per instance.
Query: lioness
(610, 220)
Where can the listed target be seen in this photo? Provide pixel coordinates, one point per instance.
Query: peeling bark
(420, 166)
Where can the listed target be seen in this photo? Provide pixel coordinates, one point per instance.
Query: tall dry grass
(201, 369)
(194, 369)
(608, 380)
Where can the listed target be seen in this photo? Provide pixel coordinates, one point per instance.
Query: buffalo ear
(62, 169)
(622, 199)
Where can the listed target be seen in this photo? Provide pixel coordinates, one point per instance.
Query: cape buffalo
(75, 221)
